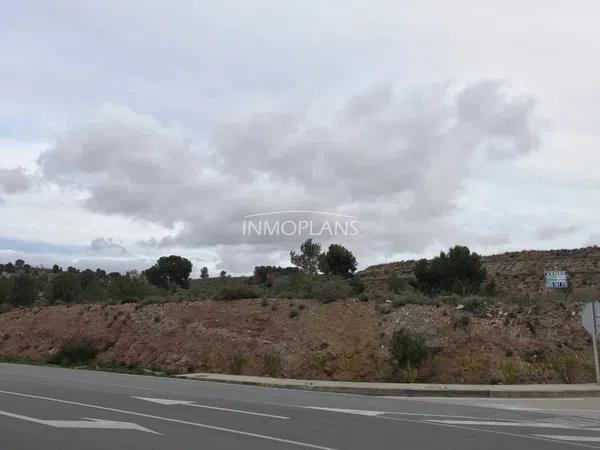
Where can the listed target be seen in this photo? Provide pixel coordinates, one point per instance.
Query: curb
(409, 390)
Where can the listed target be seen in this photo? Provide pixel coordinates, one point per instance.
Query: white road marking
(87, 423)
(164, 401)
(570, 438)
(361, 412)
(484, 430)
(371, 413)
(500, 423)
(168, 419)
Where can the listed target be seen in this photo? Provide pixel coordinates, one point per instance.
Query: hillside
(495, 342)
(515, 271)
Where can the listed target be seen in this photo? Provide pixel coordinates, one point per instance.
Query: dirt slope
(343, 340)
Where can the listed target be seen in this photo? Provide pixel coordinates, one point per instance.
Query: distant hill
(521, 271)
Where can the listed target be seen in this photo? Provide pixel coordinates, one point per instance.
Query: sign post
(595, 343)
(269, 282)
(590, 319)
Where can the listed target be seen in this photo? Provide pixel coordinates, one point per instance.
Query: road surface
(49, 408)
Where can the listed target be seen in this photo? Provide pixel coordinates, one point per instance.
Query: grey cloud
(102, 245)
(396, 158)
(13, 181)
(547, 232)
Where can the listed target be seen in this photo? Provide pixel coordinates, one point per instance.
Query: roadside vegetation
(454, 284)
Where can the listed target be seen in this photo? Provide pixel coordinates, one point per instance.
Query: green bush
(74, 353)
(509, 371)
(408, 349)
(474, 305)
(396, 284)
(237, 293)
(65, 287)
(24, 291)
(236, 365)
(463, 322)
(337, 261)
(357, 285)
(565, 368)
(335, 288)
(272, 365)
(459, 272)
(411, 297)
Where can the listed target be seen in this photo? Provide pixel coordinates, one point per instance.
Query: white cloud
(228, 113)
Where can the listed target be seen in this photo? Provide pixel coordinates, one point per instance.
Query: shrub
(24, 291)
(272, 365)
(396, 284)
(509, 371)
(408, 349)
(463, 322)
(294, 313)
(260, 272)
(383, 308)
(335, 288)
(236, 365)
(357, 285)
(474, 305)
(130, 286)
(564, 367)
(413, 298)
(237, 293)
(73, 353)
(459, 271)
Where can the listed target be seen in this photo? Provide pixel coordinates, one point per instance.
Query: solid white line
(504, 423)
(570, 438)
(167, 419)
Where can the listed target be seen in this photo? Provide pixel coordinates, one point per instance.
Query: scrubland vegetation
(453, 285)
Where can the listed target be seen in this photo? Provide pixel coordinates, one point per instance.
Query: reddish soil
(340, 341)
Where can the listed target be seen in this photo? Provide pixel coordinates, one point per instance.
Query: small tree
(308, 259)
(170, 271)
(56, 268)
(337, 261)
(204, 272)
(223, 274)
(19, 263)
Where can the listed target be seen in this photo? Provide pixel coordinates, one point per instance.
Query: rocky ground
(499, 342)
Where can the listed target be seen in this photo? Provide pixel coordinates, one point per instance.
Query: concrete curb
(409, 389)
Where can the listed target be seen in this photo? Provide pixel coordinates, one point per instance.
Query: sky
(131, 130)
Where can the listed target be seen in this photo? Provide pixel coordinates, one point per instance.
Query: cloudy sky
(130, 130)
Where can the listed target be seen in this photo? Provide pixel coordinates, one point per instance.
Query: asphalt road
(50, 408)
